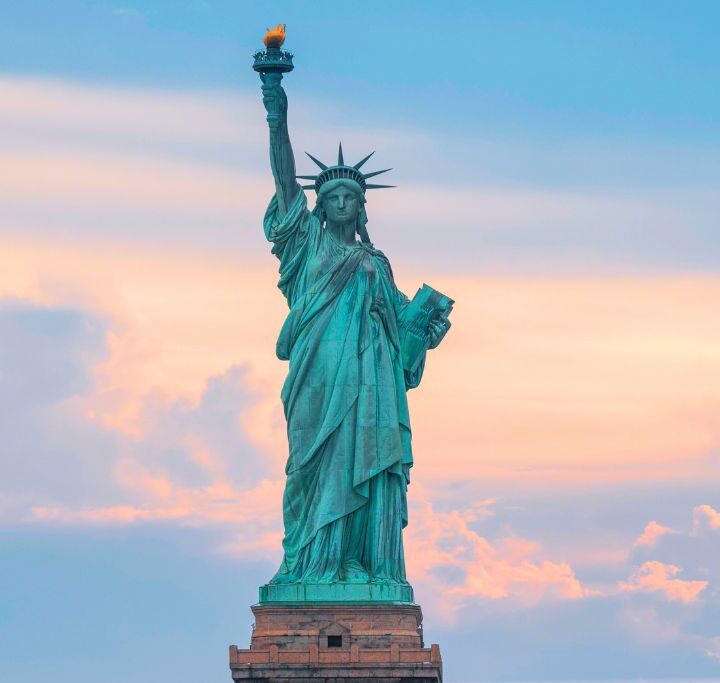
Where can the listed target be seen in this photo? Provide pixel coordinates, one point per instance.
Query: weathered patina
(345, 400)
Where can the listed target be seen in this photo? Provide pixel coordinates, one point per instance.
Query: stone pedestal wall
(335, 643)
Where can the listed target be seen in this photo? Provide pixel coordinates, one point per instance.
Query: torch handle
(275, 117)
(271, 77)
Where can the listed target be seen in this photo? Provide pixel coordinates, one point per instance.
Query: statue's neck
(342, 232)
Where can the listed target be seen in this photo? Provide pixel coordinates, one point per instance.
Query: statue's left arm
(438, 330)
(434, 335)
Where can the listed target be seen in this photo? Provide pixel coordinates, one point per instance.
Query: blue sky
(599, 69)
(557, 162)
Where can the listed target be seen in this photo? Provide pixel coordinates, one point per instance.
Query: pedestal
(326, 643)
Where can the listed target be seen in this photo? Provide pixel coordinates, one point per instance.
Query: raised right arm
(282, 159)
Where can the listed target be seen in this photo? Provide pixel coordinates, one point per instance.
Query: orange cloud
(652, 532)
(656, 576)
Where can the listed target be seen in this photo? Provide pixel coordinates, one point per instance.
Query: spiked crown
(342, 172)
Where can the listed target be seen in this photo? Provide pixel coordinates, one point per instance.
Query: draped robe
(345, 403)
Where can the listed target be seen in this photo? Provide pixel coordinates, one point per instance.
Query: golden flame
(275, 37)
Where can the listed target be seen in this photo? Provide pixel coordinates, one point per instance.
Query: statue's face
(341, 205)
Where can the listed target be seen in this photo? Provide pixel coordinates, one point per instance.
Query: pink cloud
(652, 532)
(218, 503)
(93, 113)
(66, 181)
(705, 515)
(263, 544)
(451, 563)
(131, 475)
(656, 576)
(116, 514)
(190, 464)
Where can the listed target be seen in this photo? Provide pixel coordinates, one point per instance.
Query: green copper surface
(339, 591)
(345, 395)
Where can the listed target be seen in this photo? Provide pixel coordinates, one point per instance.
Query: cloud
(659, 577)
(60, 115)
(647, 627)
(652, 532)
(191, 462)
(218, 503)
(570, 391)
(49, 447)
(143, 383)
(576, 379)
(713, 649)
(692, 545)
(127, 13)
(705, 516)
(46, 353)
(141, 166)
(452, 563)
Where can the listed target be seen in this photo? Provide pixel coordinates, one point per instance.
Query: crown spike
(359, 164)
(317, 161)
(374, 173)
(341, 171)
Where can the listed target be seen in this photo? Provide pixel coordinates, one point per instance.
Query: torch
(272, 62)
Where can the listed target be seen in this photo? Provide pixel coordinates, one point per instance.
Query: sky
(557, 165)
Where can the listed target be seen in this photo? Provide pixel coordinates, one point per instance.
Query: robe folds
(345, 403)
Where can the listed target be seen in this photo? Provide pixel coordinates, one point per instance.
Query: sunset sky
(558, 173)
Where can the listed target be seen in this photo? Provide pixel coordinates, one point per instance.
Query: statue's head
(342, 201)
(341, 192)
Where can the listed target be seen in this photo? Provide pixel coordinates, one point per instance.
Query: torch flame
(275, 37)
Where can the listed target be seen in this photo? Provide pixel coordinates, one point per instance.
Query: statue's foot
(283, 578)
(354, 572)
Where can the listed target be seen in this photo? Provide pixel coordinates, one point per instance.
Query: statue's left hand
(437, 331)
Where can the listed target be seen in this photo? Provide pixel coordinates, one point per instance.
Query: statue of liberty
(344, 506)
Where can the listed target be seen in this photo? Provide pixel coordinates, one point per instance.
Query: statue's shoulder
(380, 257)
